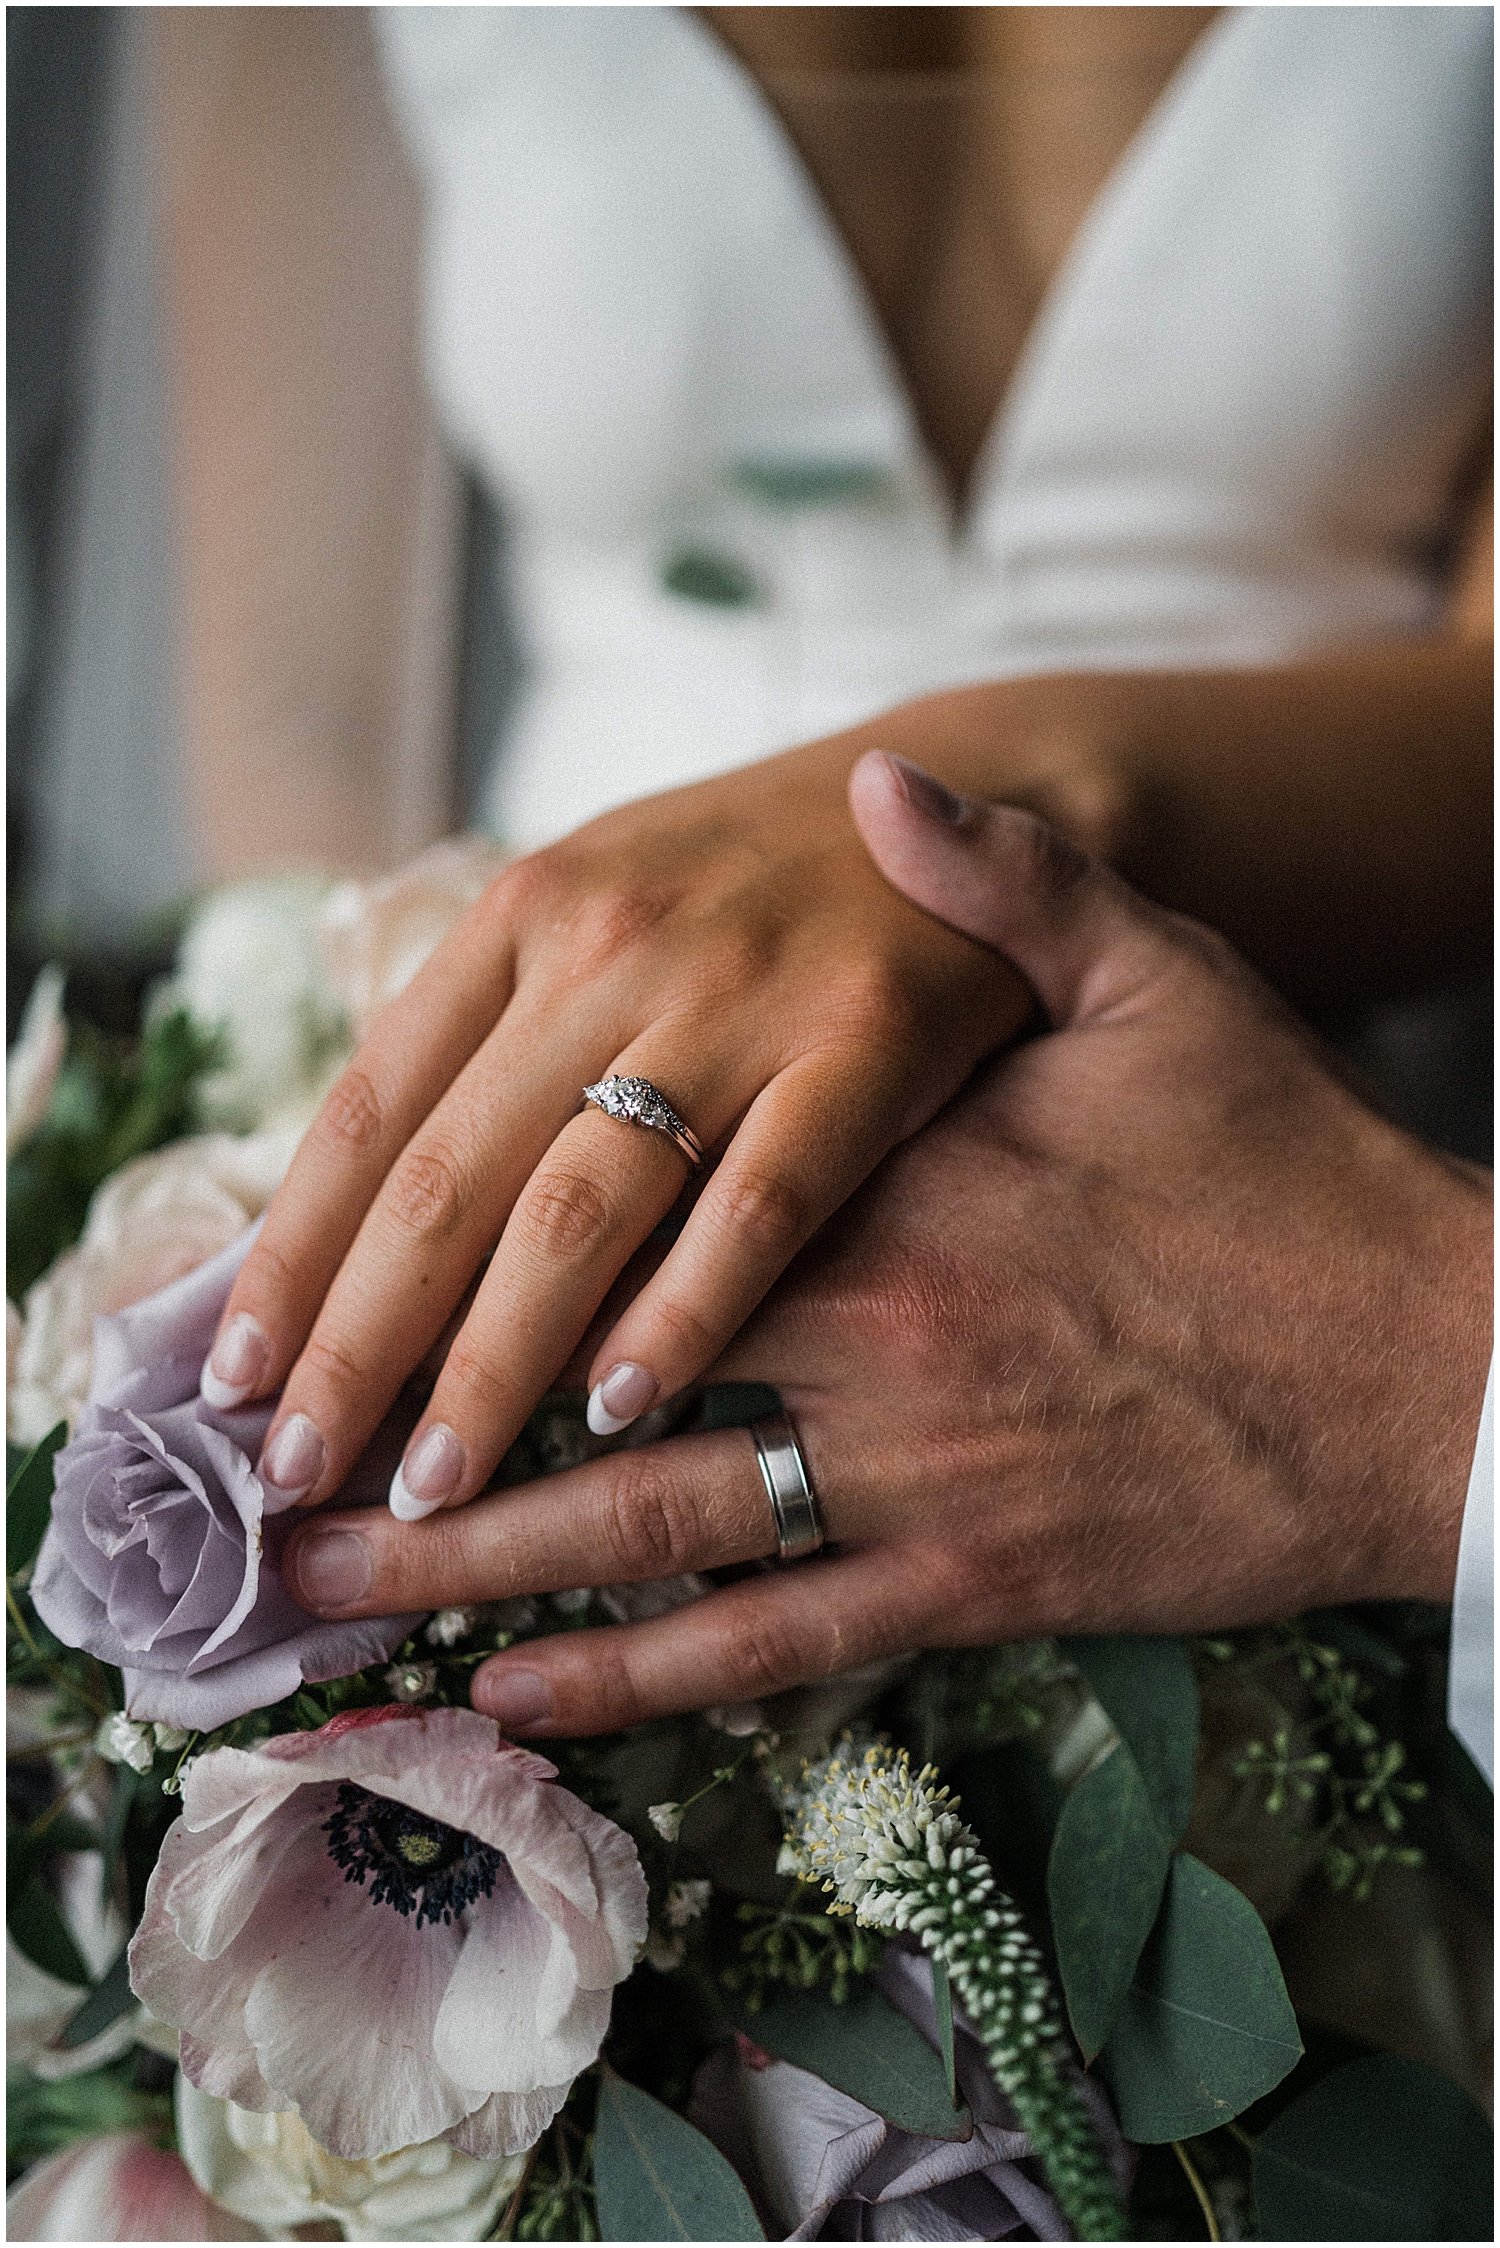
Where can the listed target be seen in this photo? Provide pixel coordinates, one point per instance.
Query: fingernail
(237, 1364)
(294, 1458)
(430, 1473)
(514, 1698)
(928, 796)
(332, 1569)
(621, 1398)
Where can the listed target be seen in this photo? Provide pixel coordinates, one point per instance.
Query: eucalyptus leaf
(105, 2003)
(942, 2002)
(1106, 1878)
(657, 2178)
(40, 1931)
(1381, 2149)
(865, 2048)
(28, 1501)
(1150, 1696)
(1207, 2027)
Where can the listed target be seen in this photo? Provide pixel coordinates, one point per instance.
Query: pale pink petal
(212, 1893)
(494, 2029)
(210, 1995)
(119, 2187)
(343, 2009)
(508, 2122)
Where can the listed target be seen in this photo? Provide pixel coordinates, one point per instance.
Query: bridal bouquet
(976, 1946)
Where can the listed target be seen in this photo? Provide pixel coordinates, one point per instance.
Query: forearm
(1331, 817)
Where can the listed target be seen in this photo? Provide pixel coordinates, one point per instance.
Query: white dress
(1234, 435)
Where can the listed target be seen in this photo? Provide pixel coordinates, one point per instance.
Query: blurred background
(115, 152)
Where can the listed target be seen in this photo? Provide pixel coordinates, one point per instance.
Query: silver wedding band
(635, 1100)
(783, 1470)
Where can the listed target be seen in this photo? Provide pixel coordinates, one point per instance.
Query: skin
(1184, 1335)
(728, 940)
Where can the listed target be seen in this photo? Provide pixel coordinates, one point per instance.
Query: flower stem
(890, 1846)
(1199, 2188)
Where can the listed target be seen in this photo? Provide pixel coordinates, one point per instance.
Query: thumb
(1082, 938)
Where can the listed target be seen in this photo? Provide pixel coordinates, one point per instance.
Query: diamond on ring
(635, 1100)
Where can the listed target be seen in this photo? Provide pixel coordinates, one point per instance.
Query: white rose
(156, 1219)
(374, 936)
(248, 966)
(33, 1062)
(270, 2168)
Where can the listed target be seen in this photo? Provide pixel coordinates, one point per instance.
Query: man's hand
(1156, 1328)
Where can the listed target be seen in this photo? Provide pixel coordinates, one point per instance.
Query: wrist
(1437, 1365)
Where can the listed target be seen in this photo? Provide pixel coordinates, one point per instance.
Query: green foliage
(39, 1930)
(1106, 1877)
(1381, 2149)
(28, 1501)
(657, 2178)
(113, 1101)
(1328, 1768)
(942, 2007)
(782, 1948)
(1207, 2027)
(869, 2050)
(106, 2002)
(42, 2118)
(555, 2200)
(1150, 1696)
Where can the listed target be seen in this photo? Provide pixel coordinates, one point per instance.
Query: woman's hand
(732, 943)
(1157, 1329)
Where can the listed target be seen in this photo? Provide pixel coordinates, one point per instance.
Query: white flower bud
(120, 1740)
(666, 1818)
(449, 1626)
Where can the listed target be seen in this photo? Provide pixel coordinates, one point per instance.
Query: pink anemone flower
(398, 1927)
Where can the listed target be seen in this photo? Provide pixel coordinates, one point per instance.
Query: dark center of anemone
(418, 1865)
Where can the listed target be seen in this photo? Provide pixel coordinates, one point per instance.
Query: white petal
(343, 2010)
(490, 2031)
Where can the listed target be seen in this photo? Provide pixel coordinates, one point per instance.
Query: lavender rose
(820, 2165)
(156, 1560)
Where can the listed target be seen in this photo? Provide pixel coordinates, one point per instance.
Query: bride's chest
(640, 278)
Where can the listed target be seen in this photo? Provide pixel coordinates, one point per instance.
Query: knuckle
(467, 1374)
(877, 1005)
(517, 889)
(620, 920)
(649, 1527)
(269, 1265)
(1050, 861)
(764, 1208)
(763, 1654)
(351, 1114)
(427, 1193)
(563, 1213)
(332, 1363)
(608, 1693)
(693, 1341)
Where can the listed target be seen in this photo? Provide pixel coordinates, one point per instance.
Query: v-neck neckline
(961, 510)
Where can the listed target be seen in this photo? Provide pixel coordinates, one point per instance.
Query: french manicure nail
(333, 1569)
(294, 1459)
(237, 1364)
(928, 796)
(620, 1398)
(515, 1698)
(431, 1472)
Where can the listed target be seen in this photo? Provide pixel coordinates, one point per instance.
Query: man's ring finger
(783, 1470)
